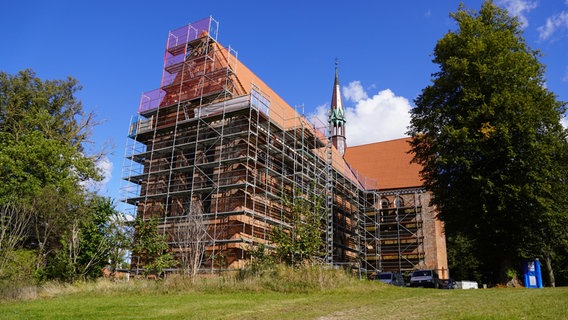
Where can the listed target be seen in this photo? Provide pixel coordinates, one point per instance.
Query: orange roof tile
(280, 111)
(388, 162)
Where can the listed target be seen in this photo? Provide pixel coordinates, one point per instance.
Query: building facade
(215, 156)
(409, 235)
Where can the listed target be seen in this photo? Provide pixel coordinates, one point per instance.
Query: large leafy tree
(43, 129)
(489, 137)
(43, 160)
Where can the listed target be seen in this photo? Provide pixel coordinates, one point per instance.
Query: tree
(95, 237)
(150, 248)
(120, 232)
(302, 240)
(42, 134)
(261, 258)
(51, 215)
(488, 135)
(44, 162)
(189, 235)
(14, 224)
(462, 258)
(549, 238)
(103, 238)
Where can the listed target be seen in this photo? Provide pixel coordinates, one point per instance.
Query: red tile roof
(388, 162)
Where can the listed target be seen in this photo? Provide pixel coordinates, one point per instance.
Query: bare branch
(189, 234)
(14, 224)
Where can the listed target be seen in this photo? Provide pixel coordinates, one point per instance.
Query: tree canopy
(488, 135)
(43, 129)
(46, 210)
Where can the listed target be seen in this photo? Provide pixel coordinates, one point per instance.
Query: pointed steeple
(337, 116)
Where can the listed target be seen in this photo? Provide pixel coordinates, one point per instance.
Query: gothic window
(398, 202)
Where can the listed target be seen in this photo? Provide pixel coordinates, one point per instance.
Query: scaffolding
(395, 231)
(216, 141)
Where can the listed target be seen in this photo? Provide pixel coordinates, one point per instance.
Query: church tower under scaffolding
(215, 147)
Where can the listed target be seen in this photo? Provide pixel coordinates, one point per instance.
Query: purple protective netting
(151, 100)
(176, 49)
(201, 25)
(167, 79)
(179, 36)
(170, 60)
(172, 64)
(174, 55)
(187, 33)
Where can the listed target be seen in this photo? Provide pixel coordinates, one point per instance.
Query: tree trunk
(548, 262)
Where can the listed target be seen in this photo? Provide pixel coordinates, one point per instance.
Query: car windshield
(384, 276)
(422, 273)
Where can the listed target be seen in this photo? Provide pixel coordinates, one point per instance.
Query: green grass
(281, 296)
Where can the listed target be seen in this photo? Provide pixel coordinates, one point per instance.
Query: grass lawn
(357, 300)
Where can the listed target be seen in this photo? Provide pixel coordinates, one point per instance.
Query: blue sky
(115, 49)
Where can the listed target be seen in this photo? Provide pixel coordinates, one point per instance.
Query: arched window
(398, 202)
(384, 203)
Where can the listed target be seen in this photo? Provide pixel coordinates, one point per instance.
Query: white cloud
(384, 116)
(564, 122)
(519, 8)
(553, 24)
(105, 166)
(354, 92)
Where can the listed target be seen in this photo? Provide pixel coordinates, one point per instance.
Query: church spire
(337, 116)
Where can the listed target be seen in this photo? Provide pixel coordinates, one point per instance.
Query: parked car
(394, 278)
(447, 283)
(424, 278)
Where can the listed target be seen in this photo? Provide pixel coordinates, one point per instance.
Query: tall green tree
(488, 135)
(43, 160)
(43, 129)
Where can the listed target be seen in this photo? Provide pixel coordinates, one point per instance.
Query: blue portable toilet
(532, 274)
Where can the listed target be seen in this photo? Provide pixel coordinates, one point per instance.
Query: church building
(215, 156)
